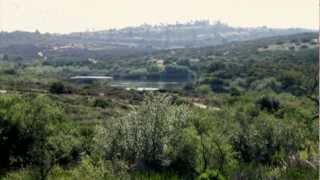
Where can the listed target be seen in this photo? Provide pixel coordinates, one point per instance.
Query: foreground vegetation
(250, 113)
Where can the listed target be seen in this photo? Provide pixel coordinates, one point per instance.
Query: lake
(140, 85)
(147, 85)
(92, 77)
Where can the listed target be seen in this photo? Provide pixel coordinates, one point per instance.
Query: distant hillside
(193, 34)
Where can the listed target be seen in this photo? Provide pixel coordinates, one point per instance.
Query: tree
(57, 88)
(218, 85)
(34, 133)
(177, 72)
(143, 135)
(215, 149)
(268, 103)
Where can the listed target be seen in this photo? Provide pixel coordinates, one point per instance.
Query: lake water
(92, 77)
(147, 85)
(136, 84)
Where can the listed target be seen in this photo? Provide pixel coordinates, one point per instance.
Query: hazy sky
(80, 15)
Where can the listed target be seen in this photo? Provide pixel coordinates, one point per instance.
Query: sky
(64, 16)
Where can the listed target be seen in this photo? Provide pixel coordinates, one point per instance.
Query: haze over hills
(151, 37)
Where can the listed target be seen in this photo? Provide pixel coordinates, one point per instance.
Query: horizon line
(210, 22)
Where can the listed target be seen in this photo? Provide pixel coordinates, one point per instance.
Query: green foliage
(57, 88)
(177, 72)
(211, 175)
(88, 169)
(153, 176)
(154, 68)
(203, 90)
(23, 174)
(268, 103)
(303, 173)
(34, 132)
(102, 103)
(265, 138)
(144, 134)
(185, 153)
(218, 85)
(260, 124)
(216, 151)
(138, 72)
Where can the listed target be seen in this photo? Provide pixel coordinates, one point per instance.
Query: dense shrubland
(253, 136)
(246, 114)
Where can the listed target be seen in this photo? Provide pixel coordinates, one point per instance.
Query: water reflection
(140, 85)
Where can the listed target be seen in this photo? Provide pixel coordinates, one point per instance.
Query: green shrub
(102, 103)
(268, 103)
(204, 90)
(35, 133)
(153, 176)
(211, 175)
(58, 88)
(88, 169)
(22, 174)
(144, 135)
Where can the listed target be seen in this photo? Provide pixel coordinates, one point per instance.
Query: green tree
(58, 88)
(144, 135)
(35, 133)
